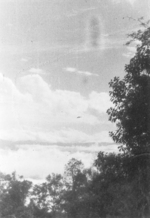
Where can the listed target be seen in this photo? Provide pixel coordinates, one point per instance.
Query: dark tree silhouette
(13, 195)
(131, 113)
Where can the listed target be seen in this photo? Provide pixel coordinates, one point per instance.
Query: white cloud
(128, 54)
(99, 101)
(42, 161)
(131, 1)
(36, 70)
(37, 161)
(63, 135)
(33, 111)
(119, 1)
(131, 50)
(75, 71)
(79, 11)
(24, 60)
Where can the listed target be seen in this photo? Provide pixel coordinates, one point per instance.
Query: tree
(75, 182)
(111, 189)
(55, 187)
(14, 192)
(131, 113)
(46, 196)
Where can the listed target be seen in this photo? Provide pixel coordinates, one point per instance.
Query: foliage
(46, 196)
(131, 113)
(14, 193)
(75, 182)
(131, 98)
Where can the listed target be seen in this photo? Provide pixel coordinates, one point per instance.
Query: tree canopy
(131, 97)
(131, 113)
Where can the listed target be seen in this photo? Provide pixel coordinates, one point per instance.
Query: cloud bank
(32, 110)
(37, 161)
(44, 128)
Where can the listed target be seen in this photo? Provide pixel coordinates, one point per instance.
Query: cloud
(80, 11)
(36, 70)
(75, 71)
(99, 101)
(63, 135)
(37, 161)
(34, 113)
(42, 160)
(131, 1)
(24, 60)
(131, 50)
(32, 110)
(119, 1)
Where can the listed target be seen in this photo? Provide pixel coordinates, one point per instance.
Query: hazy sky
(56, 60)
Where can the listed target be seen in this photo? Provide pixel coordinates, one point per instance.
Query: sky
(57, 58)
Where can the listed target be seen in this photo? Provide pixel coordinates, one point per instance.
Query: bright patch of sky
(56, 60)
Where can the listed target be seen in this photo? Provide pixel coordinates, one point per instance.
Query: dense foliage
(131, 113)
(131, 97)
(108, 189)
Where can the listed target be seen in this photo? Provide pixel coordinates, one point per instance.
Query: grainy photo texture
(74, 108)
